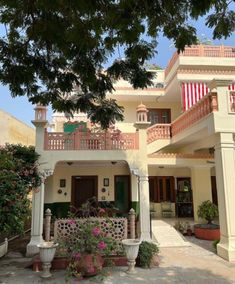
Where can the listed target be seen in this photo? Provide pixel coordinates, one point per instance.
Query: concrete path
(166, 235)
(196, 264)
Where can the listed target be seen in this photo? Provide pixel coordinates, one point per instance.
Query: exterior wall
(14, 131)
(66, 172)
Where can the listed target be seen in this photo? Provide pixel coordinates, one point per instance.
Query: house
(176, 144)
(14, 131)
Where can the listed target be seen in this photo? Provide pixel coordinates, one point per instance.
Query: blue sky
(23, 110)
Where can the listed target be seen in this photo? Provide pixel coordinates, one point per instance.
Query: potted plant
(86, 249)
(148, 254)
(210, 231)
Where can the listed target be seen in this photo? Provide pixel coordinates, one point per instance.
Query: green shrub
(146, 252)
(18, 173)
(215, 243)
(208, 211)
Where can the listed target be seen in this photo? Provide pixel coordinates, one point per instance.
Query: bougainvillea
(18, 175)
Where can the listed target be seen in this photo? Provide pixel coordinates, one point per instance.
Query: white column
(225, 180)
(201, 187)
(144, 208)
(37, 221)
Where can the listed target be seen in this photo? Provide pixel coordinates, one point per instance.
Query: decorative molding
(46, 173)
(205, 71)
(181, 156)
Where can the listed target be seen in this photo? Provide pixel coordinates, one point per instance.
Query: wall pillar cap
(220, 82)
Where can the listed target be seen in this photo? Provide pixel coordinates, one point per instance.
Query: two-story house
(176, 145)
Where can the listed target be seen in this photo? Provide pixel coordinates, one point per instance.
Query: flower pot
(207, 231)
(47, 253)
(3, 248)
(90, 264)
(131, 247)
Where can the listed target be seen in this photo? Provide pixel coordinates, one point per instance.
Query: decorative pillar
(144, 209)
(40, 123)
(142, 173)
(48, 225)
(201, 187)
(223, 100)
(132, 223)
(225, 173)
(37, 217)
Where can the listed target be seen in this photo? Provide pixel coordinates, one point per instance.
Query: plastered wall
(66, 172)
(14, 131)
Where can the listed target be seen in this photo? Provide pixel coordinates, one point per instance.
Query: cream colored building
(176, 145)
(14, 131)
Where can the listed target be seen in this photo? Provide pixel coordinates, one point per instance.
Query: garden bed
(62, 262)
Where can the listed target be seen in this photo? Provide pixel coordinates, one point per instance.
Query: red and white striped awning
(231, 87)
(193, 92)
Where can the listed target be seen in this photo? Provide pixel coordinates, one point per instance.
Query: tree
(52, 48)
(18, 173)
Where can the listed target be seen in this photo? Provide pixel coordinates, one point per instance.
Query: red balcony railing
(158, 131)
(91, 141)
(202, 108)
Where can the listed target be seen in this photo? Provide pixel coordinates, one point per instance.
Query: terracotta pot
(207, 232)
(90, 264)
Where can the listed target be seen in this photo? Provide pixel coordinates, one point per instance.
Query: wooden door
(83, 188)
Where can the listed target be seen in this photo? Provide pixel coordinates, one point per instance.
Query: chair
(166, 209)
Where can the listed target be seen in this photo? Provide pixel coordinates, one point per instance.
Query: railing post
(132, 216)
(47, 225)
(214, 104)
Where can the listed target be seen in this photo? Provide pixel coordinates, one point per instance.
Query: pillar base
(226, 251)
(145, 236)
(32, 248)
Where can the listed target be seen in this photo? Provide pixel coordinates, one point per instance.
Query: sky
(20, 108)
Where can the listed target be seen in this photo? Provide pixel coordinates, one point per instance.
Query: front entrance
(83, 188)
(122, 193)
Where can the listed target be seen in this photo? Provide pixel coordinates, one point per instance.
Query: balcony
(57, 141)
(116, 140)
(201, 51)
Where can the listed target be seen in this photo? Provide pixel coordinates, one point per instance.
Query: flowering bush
(88, 240)
(18, 173)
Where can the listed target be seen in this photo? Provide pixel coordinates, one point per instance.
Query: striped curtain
(193, 92)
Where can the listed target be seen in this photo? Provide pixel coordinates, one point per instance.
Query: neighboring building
(14, 131)
(176, 145)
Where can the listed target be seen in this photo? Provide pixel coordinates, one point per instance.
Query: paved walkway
(196, 264)
(166, 235)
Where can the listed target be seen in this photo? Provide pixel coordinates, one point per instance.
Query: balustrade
(158, 131)
(91, 141)
(203, 51)
(202, 108)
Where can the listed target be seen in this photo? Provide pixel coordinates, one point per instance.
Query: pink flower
(102, 211)
(102, 245)
(77, 255)
(71, 222)
(96, 231)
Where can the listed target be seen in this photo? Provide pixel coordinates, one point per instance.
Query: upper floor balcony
(117, 140)
(201, 57)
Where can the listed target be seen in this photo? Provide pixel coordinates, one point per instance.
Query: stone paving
(197, 264)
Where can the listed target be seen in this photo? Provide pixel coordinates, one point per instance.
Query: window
(161, 189)
(157, 115)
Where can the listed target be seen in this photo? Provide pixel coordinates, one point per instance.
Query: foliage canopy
(52, 48)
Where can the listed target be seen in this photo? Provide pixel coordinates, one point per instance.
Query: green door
(122, 193)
